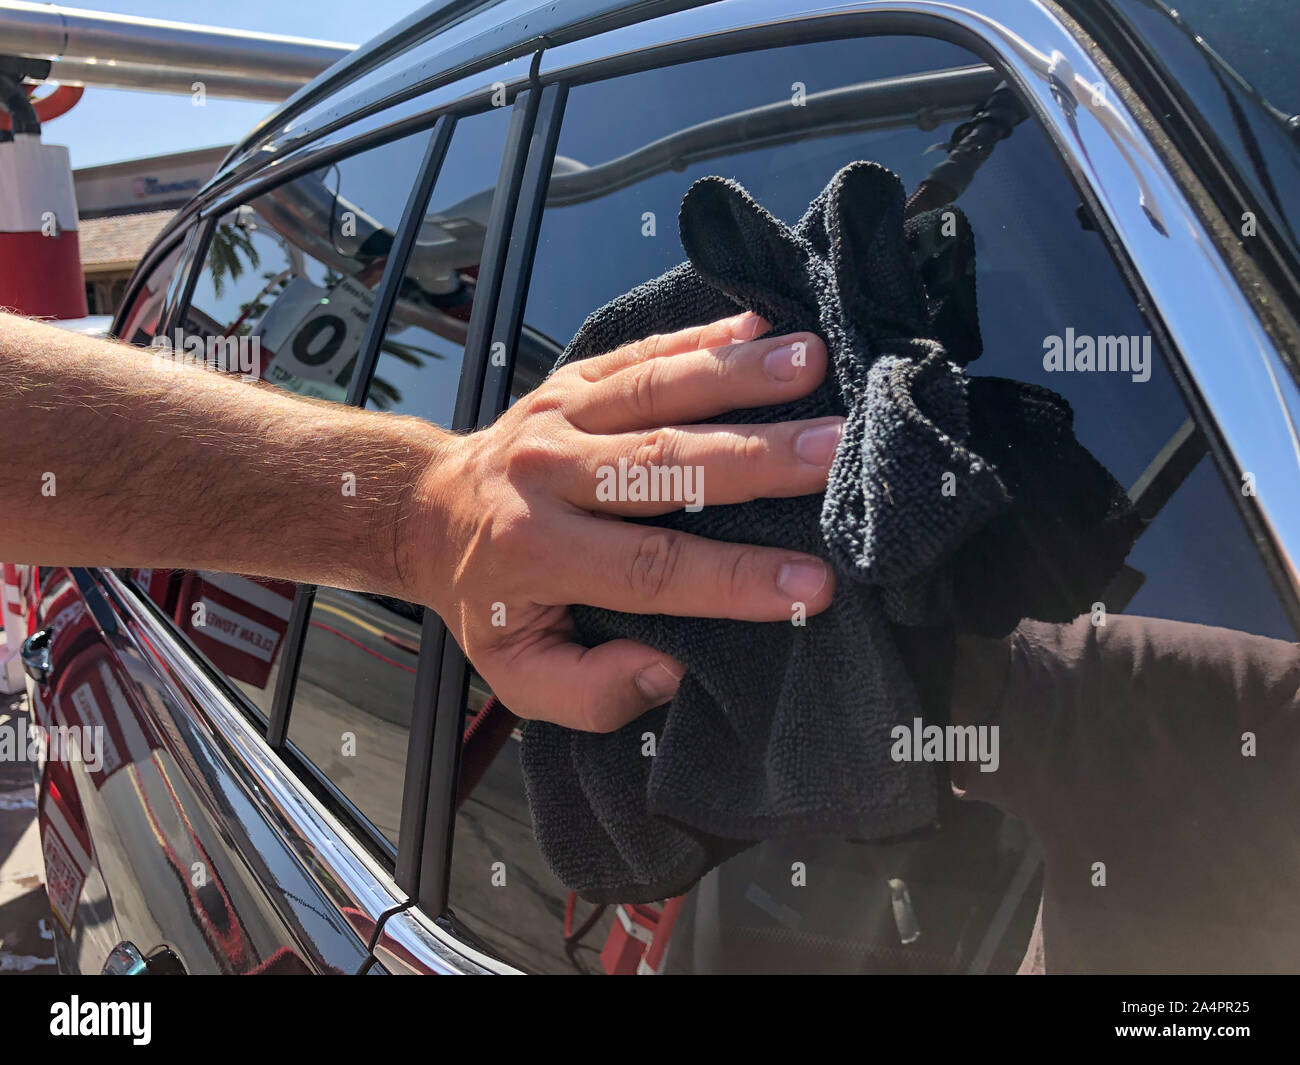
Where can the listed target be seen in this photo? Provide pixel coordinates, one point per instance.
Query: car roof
(441, 42)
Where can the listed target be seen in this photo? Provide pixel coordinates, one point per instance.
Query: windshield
(1258, 39)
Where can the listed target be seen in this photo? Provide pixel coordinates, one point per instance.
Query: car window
(350, 715)
(1235, 65)
(953, 900)
(1257, 40)
(141, 323)
(284, 294)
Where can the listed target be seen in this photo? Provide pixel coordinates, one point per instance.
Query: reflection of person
(109, 459)
(1158, 763)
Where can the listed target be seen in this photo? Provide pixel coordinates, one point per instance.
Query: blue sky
(109, 125)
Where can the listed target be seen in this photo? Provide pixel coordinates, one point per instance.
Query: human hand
(524, 533)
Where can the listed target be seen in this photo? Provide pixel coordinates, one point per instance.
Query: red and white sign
(238, 622)
(66, 847)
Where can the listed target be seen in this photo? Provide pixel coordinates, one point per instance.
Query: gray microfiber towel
(783, 729)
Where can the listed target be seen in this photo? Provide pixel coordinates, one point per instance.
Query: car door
(181, 838)
(1077, 230)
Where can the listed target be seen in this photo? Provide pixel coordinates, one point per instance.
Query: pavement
(26, 936)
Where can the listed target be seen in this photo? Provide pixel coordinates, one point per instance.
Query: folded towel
(783, 729)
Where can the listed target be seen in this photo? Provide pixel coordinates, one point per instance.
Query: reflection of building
(122, 207)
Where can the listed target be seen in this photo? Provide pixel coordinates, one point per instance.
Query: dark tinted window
(285, 294)
(610, 224)
(141, 323)
(351, 710)
(1259, 40)
(1235, 65)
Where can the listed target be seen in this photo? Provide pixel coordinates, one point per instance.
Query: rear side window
(284, 294)
(963, 899)
(350, 715)
(143, 320)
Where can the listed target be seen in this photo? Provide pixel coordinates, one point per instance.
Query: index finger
(741, 327)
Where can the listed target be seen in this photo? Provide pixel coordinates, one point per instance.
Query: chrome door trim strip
(312, 832)
(413, 945)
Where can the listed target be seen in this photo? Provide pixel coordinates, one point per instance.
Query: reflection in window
(965, 897)
(284, 294)
(351, 710)
(142, 321)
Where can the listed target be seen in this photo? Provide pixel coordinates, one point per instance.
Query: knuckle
(562, 377)
(593, 712)
(692, 339)
(751, 447)
(655, 563)
(547, 397)
(654, 345)
(530, 457)
(737, 572)
(655, 448)
(729, 355)
(640, 388)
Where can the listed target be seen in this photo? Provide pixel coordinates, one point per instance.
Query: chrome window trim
(420, 25)
(327, 849)
(291, 157)
(489, 37)
(410, 934)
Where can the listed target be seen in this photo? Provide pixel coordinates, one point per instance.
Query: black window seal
(509, 318)
(368, 357)
(446, 676)
(153, 259)
(277, 728)
(419, 747)
(194, 259)
(494, 393)
(395, 268)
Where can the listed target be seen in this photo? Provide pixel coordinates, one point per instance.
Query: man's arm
(110, 459)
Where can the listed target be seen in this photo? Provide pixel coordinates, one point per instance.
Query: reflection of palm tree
(383, 395)
(229, 241)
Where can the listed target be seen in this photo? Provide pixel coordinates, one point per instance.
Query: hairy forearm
(108, 458)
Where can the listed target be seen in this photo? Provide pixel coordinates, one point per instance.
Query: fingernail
(748, 326)
(801, 581)
(780, 363)
(816, 446)
(657, 683)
